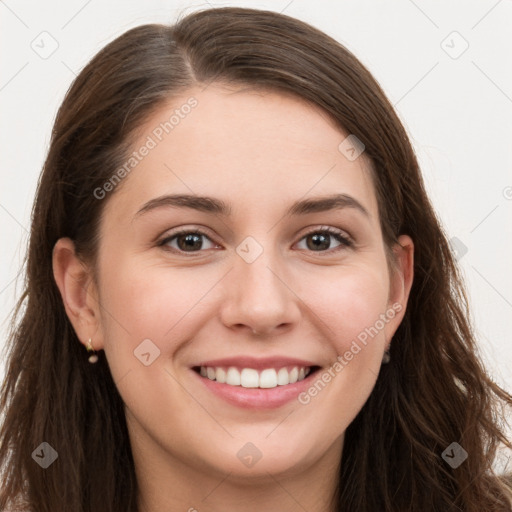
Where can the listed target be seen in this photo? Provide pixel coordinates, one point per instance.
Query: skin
(260, 152)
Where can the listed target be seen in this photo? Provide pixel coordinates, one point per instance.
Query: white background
(458, 112)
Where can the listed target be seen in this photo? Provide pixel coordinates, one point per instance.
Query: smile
(251, 378)
(255, 384)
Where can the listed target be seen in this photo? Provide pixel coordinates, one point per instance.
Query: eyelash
(345, 242)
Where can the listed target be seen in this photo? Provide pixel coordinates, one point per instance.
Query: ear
(401, 279)
(78, 290)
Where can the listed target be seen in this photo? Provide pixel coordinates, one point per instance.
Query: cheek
(149, 302)
(347, 303)
(149, 310)
(352, 305)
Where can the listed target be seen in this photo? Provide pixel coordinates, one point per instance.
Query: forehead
(244, 146)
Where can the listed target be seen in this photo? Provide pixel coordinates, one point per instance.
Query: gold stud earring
(93, 358)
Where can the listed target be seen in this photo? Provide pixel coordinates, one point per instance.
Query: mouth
(258, 386)
(267, 378)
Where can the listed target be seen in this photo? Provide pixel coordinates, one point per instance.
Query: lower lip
(257, 398)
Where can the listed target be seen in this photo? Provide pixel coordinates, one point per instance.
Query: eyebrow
(220, 207)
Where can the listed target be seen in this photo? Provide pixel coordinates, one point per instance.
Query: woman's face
(260, 289)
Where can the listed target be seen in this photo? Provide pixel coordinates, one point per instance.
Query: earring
(93, 358)
(386, 357)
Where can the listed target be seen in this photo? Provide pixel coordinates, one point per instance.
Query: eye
(186, 240)
(320, 240)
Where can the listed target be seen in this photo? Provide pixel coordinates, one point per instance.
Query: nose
(259, 298)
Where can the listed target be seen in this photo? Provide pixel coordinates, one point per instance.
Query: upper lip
(257, 363)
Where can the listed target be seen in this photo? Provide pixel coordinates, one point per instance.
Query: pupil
(319, 241)
(190, 240)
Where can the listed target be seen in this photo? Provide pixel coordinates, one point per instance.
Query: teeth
(220, 375)
(282, 377)
(268, 378)
(250, 378)
(233, 377)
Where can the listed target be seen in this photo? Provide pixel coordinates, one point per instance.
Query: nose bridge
(258, 296)
(256, 271)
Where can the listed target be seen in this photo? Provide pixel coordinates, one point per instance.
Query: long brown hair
(434, 392)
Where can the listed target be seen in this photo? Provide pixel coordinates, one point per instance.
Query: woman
(231, 220)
